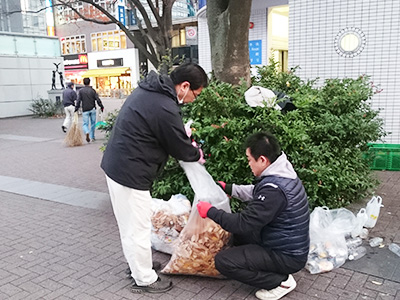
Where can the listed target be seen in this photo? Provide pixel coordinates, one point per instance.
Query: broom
(74, 135)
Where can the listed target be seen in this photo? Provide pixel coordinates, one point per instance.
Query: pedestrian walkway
(59, 238)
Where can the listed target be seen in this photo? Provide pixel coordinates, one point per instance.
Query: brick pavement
(52, 250)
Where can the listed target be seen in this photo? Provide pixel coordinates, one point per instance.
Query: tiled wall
(258, 16)
(313, 26)
(259, 31)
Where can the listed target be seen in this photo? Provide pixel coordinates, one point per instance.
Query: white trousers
(133, 211)
(69, 113)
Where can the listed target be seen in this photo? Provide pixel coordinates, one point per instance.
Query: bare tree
(228, 25)
(154, 34)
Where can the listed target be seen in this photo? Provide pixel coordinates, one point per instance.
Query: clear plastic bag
(361, 219)
(343, 221)
(168, 220)
(201, 239)
(328, 249)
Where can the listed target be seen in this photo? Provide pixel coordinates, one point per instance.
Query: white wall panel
(313, 26)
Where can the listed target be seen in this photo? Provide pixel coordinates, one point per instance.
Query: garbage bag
(168, 220)
(201, 239)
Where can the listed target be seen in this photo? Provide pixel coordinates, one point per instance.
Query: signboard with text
(75, 61)
(121, 14)
(105, 63)
(255, 51)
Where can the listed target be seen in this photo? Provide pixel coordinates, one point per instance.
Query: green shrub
(45, 108)
(107, 126)
(324, 138)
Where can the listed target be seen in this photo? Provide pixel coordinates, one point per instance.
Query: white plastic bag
(201, 239)
(373, 208)
(361, 219)
(259, 96)
(168, 220)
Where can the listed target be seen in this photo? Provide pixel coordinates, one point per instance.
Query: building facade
(105, 54)
(28, 65)
(24, 16)
(327, 39)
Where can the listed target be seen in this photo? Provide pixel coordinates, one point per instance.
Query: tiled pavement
(59, 239)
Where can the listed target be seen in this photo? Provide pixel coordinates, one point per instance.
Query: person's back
(69, 97)
(88, 97)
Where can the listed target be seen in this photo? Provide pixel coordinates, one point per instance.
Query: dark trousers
(257, 266)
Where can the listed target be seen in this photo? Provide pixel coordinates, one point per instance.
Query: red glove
(203, 208)
(222, 184)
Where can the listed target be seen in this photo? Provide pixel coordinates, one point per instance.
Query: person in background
(271, 235)
(88, 96)
(148, 129)
(69, 97)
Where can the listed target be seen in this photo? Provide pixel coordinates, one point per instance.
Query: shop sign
(75, 61)
(191, 35)
(255, 52)
(121, 14)
(115, 62)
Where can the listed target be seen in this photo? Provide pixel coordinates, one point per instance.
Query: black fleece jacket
(148, 128)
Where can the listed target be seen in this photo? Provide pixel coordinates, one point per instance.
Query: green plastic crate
(385, 157)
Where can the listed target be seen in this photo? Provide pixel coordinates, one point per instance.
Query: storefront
(113, 73)
(75, 66)
(111, 82)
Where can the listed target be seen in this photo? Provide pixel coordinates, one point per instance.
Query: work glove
(203, 208)
(188, 129)
(227, 187)
(201, 159)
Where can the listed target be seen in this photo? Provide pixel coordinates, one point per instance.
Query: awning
(106, 72)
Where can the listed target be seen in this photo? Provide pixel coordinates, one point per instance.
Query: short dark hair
(70, 84)
(192, 73)
(263, 144)
(86, 81)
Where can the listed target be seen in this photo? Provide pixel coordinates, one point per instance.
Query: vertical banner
(50, 18)
(255, 51)
(121, 14)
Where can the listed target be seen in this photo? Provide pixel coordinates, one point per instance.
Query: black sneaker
(64, 128)
(87, 138)
(156, 267)
(160, 286)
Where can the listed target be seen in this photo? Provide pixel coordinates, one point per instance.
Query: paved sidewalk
(59, 238)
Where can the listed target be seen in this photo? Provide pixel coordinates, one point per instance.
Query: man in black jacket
(88, 96)
(69, 97)
(271, 234)
(148, 129)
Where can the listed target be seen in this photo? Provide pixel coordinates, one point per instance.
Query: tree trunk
(228, 25)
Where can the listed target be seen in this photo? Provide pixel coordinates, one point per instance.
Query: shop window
(179, 37)
(278, 35)
(108, 40)
(73, 44)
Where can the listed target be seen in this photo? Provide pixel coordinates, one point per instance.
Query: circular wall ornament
(350, 42)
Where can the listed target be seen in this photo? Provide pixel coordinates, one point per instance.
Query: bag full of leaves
(201, 239)
(74, 135)
(168, 220)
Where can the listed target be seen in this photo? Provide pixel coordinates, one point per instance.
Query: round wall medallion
(350, 42)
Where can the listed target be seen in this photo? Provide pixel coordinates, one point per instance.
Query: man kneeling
(271, 235)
